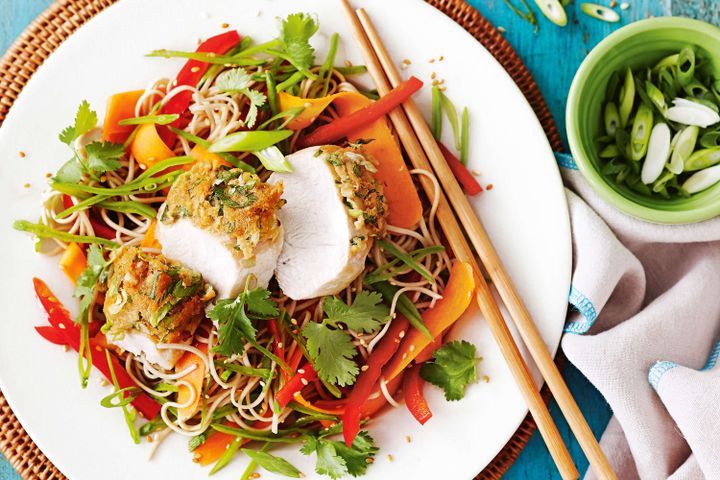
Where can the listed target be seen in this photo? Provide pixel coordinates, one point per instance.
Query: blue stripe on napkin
(713, 360)
(565, 160)
(583, 304)
(658, 370)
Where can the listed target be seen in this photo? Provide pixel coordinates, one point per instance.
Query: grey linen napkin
(644, 330)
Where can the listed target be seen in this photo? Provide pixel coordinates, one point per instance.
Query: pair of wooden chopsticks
(424, 153)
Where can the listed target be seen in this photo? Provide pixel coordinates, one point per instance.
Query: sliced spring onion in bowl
(702, 180)
(702, 159)
(688, 112)
(600, 12)
(658, 151)
(683, 147)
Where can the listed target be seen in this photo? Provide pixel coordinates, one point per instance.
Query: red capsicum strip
(64, 327)
(305, 374)
(344, 126)
(462, 174)
(191, 74)
(51, 334)
(414, 398)
(368, 378)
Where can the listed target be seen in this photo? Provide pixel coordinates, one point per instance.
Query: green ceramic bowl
(637, 45)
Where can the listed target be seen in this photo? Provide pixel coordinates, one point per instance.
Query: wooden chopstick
(490, 260)
(462, 251)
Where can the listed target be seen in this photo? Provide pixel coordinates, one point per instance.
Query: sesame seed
(434, 83)
(98, 348)
(149, 438)
(22, 154)
(280, 345)
(401, 334)
(441, 58)
(212, 54)
(406, 61)
(442, 89)
(501, 29)
(404, 356)
(258, 13)
(348, 63)
(408, 439)
(489, 186)
(301, 371)
(369, 460)
(432, 60)
(48, 175)
(486, 379)
(624, 6)
(441, 81)
(65, 348)
(476, 173)
(613, 4)
(62, 326)
(304, 382)
(433, 75)
(103, 382)
(364, 368)
(195, 69)
(225, 25)
(412, 348)
(27, 185)
(390, 458)
(293, 321)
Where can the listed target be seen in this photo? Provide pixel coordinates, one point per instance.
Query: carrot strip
(73, 262)
(120, 106)
(194, 378)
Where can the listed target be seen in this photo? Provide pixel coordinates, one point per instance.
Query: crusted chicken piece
(334, 210)
(151, 300)
(223, 223)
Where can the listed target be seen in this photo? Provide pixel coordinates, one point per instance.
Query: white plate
(525, 214)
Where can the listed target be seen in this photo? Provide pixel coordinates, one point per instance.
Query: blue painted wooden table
(552, 54)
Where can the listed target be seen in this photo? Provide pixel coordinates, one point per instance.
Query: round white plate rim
(563, 223)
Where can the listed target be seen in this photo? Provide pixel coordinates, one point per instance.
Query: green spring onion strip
(190, 137)
(156, 119)
(326, 68)
(354, 70)
(387, 271)
(436, 113)
(137, 208)
(600, 12)
(289, 115)
(294, 79)
(119, 398)
(227, 455)
(83, 205)
(452, 116)
(526, 15)
(464, 132)
(84, 352)
(253, 464)
(43, 231)
(129, 415)
(404, 306)
(686, 66)
(407, 259)
(271, 94)
(252, 435)
(235, 60)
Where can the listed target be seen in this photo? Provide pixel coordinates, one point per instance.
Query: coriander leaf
(367, 312)
(238, 80)
(357, 457)
(331, 352)
(329, 462)
(234, 80)
(70, 172)
(310, 445)
(85, 120)
(104, 156)
(88, 280)
(259, 303)
(273, 464)
(452, 369)
(296, 30)
(235, 326)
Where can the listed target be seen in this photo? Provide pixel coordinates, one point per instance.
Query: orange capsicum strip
(427, 353)
(120, 106)
(147, 146)
(456, 298)
(73, 262)
(150, 239)
(404, 207)
(194, 378)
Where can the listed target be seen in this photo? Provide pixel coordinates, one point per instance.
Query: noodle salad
(253, 260)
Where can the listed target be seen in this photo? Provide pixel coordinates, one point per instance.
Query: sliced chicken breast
(334, 209)
(152, 300)
(222, 222)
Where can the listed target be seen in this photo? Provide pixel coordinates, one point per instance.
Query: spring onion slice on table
(254, 262)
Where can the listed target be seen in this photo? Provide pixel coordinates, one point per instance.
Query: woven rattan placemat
(63, 17)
